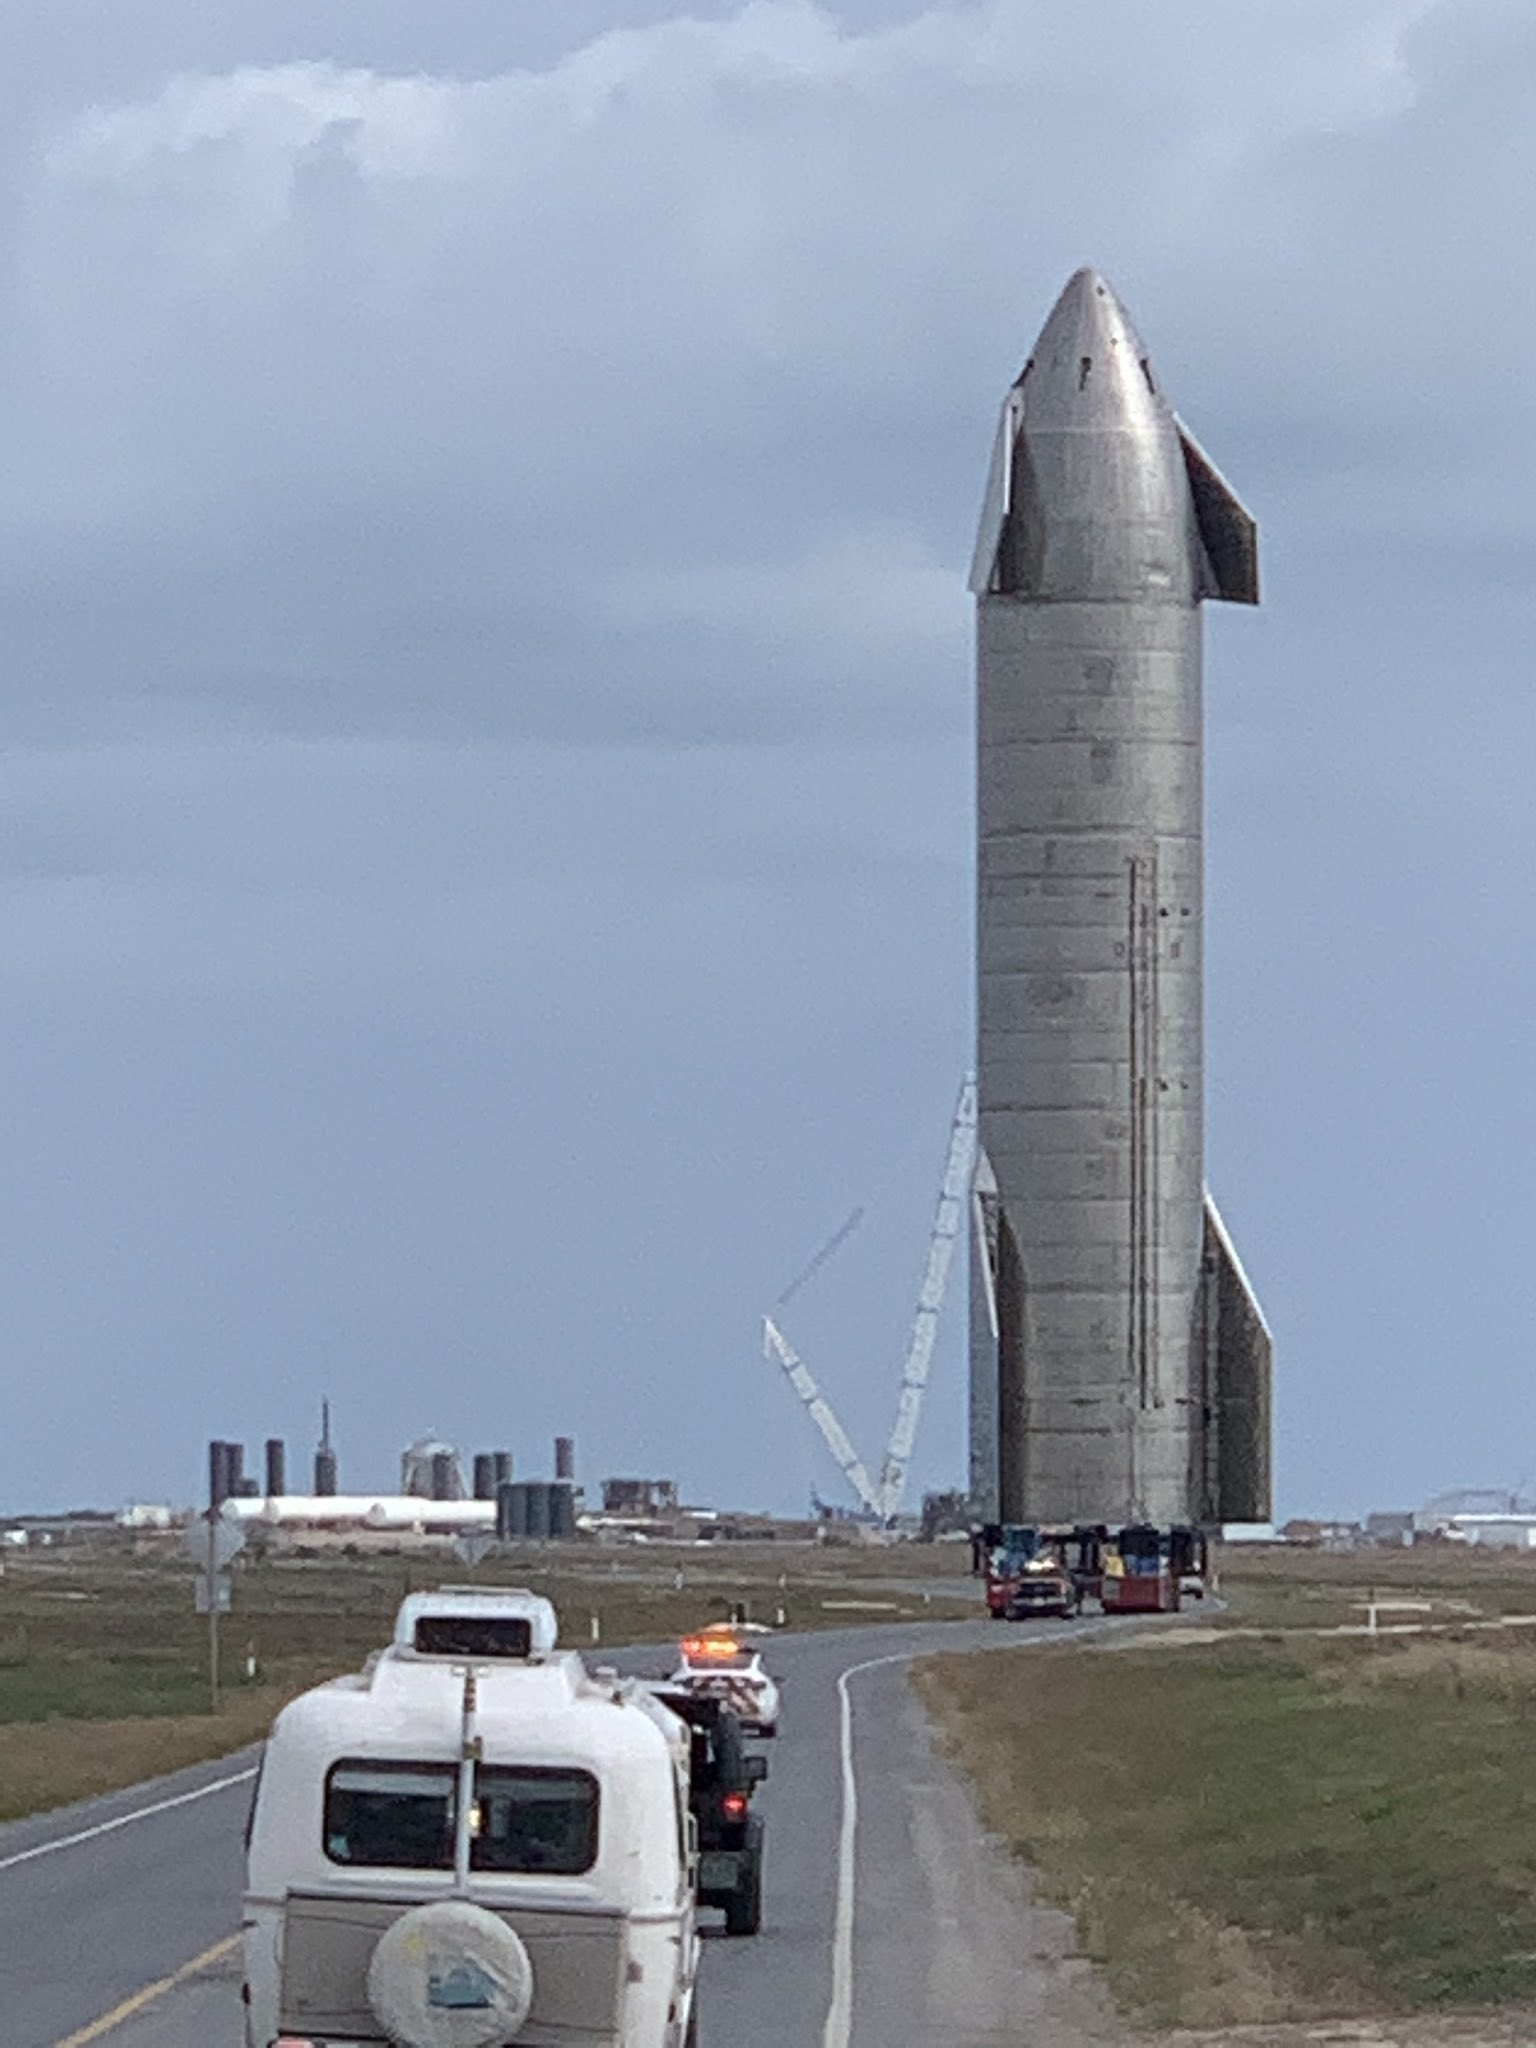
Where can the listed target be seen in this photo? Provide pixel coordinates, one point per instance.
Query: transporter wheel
(450, 1975)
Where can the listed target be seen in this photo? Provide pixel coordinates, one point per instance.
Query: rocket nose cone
(1089, 356)
(1082, 288)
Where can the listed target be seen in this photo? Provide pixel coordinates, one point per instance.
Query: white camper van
(472, 1843)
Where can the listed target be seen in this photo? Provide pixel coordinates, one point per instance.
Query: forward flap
(1227, 530)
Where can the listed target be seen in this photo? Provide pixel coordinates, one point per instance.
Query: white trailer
(472, 1842)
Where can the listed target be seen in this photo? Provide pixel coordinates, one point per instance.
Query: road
(888, 1919)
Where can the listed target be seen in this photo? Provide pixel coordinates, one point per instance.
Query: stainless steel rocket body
(1104, 530)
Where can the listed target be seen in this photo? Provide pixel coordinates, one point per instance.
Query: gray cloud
(697, 316)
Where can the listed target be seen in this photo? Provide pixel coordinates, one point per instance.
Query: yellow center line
(140, 1999)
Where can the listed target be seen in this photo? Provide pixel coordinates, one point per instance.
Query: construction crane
(930, 1299)
(838, 1442)
(883, 1499)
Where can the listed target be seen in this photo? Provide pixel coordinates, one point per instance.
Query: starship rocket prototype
(1120, 1364)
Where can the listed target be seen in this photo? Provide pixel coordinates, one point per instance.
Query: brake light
(734, 1805)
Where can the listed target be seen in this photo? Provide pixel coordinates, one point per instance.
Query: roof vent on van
(479, 1622)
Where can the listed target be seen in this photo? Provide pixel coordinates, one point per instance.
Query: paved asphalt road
(888, 1920)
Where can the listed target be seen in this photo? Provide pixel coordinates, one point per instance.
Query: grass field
(1278, 1826)
(103, 1663)
(1273, 1588)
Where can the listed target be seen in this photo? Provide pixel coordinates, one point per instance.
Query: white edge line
(838, 2029)
(124, 1820)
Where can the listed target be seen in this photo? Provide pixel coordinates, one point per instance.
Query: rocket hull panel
(1089, 1044)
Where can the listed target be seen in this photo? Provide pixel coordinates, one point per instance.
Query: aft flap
(1239, 1368)
(1227, 530)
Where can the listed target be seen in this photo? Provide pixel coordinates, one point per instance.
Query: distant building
(1313, 1535)
(145, 1515)
(944, 1514)
(1436, 1515)
(1390, 1530)
(430, 1470)
(640, 1497)
(1501, 1532)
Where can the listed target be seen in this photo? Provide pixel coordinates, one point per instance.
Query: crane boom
(930, 1300)
(839, 1443)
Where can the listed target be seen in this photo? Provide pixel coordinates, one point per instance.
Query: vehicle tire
(450, 1938)
(744, 1908)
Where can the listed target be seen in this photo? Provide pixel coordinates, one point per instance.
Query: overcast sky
(485, 839)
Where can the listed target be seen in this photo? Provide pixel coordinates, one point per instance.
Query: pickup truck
(723, 1776)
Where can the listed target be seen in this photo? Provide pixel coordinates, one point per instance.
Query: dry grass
(1249, 1832)
(53, 1763)
(103, 1663)
(1274, 1587)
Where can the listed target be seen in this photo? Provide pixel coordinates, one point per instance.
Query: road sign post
(212, 1583)
(212, 1547)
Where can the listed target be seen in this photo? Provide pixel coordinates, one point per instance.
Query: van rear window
(401, 1817)
(474, 1635)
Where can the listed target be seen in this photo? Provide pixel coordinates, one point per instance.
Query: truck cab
(472, 1841)
(1002, 1551)
(1042, 1586)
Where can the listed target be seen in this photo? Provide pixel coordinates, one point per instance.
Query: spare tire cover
(450, 1975)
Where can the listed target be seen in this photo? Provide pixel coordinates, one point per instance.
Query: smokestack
(218, 1474)
(325, 1457)
(277, 1468)
(565, 1457)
